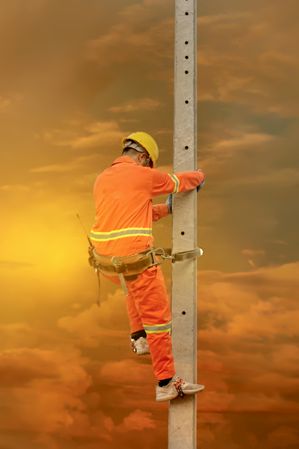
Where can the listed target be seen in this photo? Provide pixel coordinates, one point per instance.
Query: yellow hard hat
(147, 142)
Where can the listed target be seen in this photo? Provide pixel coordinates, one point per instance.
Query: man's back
(123, 197)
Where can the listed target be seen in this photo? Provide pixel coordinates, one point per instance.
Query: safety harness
(127, 268)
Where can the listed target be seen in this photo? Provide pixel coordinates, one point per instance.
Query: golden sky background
(76, 77)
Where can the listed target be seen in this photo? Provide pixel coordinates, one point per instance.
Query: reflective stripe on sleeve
(119, 234)
(157, 328)
(176, 181)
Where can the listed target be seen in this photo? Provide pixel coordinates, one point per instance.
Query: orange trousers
(149, 309)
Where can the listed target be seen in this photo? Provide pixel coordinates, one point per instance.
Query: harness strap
(166, 253)
(123, 283)
(128, 267)
(99, 286)
(185, 255)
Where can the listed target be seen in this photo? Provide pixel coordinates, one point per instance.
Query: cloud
(133, 372)
(253, 255)
(4, 104)
(249, 69)
(140, 104)
(94, 139)
(234, 296)
(226, 148)
(137, 421)
(55, 395)
(242, 140)
(39, 380)
(7, 102)
(15, 368)
(20, 335)
(100, 134)
(145, 31)
(77, 164)
(90, 326)
(248, 339)
(225, 153)
(283, 437)
(280, 276)
(247, 363)
(284, 178)
(228, 142)
(53, 168)
(223, 19)
(15, 188)
(15, 264)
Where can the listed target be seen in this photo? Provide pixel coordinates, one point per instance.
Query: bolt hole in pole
(186, 147)
(186, 14)
(186, 71)
(184, 312)
(187, 101)
(186, 42)
(183, 233)
(186, 57)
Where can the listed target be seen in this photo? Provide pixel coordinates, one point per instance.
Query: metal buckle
(118, 264)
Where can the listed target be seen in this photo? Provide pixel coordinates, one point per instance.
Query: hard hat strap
(134, 145)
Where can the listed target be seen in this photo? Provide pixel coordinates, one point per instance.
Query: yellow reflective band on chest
(176, 181)
(119, 234)
(157, 328)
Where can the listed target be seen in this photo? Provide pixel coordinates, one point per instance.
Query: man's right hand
(200, 186)
(202, 183)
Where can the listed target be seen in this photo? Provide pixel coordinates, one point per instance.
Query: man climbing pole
(123, 246)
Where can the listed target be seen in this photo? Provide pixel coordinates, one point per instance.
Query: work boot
(140, 346)
(176, 387)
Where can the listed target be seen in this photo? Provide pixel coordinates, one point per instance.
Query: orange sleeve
(175, 182)
(160, 211)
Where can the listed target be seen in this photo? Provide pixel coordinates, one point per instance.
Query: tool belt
(128, 267)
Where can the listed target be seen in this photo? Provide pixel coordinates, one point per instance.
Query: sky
(76, 77)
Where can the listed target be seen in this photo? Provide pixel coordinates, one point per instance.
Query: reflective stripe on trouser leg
(157, 328)
(151, 300)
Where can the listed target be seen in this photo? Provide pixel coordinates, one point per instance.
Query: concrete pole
(182, 412)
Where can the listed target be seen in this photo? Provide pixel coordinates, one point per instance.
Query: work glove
(169, 203)
(200, 186)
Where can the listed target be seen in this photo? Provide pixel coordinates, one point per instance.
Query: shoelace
(178, 385)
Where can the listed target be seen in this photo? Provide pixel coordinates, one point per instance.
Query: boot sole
(166, 398)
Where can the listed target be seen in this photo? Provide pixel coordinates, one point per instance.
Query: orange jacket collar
(124, 159)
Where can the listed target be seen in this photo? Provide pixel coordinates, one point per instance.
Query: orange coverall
(123, 226)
